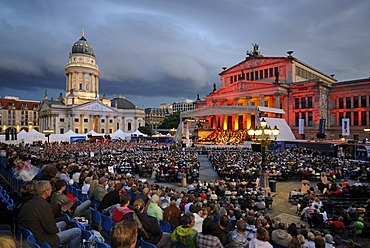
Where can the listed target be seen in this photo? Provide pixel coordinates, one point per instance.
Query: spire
(83, 32)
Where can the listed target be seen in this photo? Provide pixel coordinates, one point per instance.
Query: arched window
(129, 126)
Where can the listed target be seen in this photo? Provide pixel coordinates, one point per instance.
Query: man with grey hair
(37, 216)
(153, 208)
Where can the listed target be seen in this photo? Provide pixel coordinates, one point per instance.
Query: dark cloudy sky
(157, 51)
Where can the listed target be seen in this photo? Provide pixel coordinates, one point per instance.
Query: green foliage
(146, 129)
(171, 121)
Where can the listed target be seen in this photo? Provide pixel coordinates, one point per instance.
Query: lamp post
(263, 135)
(47, 133)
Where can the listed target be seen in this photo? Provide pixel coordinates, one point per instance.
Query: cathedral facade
(82, 109)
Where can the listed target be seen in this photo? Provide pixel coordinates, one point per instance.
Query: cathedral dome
(122, 103)
(81, 46)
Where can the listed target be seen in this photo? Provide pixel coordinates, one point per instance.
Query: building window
(110, 130)
(303, 116)
(102, 130)
(271, 72)
(303, 102)
(76, 119)
(247, 75)
(266, 103)
(363, 118)
(86, 120)
(296, 119)
(61, 131)
(341, 103)
(340, 117)
(85, 130)
(266, 72)
(110, 121)
(80, 86)
(76, 130)
(296, 103)
(261, 73)
(309, 102)
(231, 79)
(355, 101)
(129, 126)
(355, 118)
(348, 116)
(310, 119)
(102, 120)
(252, 76)
(348, 102)
(363, 101)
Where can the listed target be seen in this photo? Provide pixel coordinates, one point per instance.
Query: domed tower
(82, 74)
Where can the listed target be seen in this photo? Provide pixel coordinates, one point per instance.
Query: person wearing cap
(329, 241)
(100, 191)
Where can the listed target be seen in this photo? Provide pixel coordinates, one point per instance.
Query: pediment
(245, 85)
(94, 107)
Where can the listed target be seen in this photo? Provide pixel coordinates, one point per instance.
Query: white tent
(120, 134)
(22, 134)
(285, 131)
(138, 133)
(65, 137)
(32, 136)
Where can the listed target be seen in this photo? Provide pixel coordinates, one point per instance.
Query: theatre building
(311, 102)
(82, 109)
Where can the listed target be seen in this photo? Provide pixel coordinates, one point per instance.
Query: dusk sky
(161, 51)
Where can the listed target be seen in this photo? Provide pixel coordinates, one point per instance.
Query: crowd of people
(227, 137)
(224, 213)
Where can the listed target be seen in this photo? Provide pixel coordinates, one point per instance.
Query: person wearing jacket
(149, 228)
(184, 233)
(122, 211)
(280, 236)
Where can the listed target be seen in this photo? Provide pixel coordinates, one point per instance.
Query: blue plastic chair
(165, 226)
(95, 218)
(32, 242)
(101, 244)
(178, 245)
(145, 244)
(106, 225)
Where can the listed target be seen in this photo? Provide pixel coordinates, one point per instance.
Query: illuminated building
(307, 96)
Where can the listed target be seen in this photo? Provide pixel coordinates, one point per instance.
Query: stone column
(277, 100)
(248, 100)
(262, 100)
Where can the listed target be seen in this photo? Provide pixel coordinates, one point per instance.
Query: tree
(146, 129)
(171, 121)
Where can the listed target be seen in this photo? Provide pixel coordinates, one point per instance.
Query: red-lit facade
(301, 90)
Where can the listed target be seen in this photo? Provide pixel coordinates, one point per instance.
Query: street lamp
(367, 130)
(47, 133)
(263, 135)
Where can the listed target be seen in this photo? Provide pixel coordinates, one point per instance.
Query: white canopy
(65, 137)
(285, 131)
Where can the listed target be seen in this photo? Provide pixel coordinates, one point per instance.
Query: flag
(345, 127)
(301, 126)
(322, 126)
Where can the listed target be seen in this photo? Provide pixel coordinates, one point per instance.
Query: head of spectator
(319, 242)
(60, 186)
(124, 234)
(29, 189)
(139, 205)
(294, 243)
(311, 236)
(7, 242)
(188, 220)
(262, 234)
(301, 239)
(155, 199)
(241, 226)
(329, 239)
(124, 200)
(44, 189)
(103, 181)
(196, 210)
(292, 229)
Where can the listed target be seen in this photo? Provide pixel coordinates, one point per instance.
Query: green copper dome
(81, 46)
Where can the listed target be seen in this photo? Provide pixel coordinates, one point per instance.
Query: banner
(322, 125)
(345, 127)
(301, 126)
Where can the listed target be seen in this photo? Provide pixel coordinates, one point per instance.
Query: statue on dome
(255, 52)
